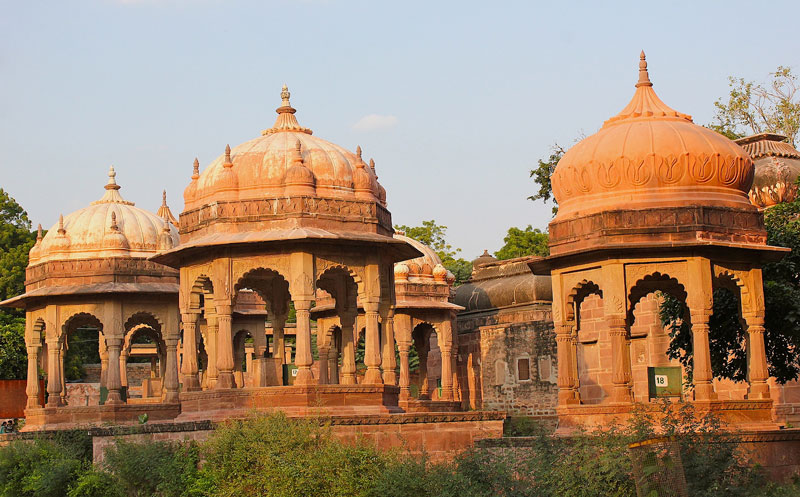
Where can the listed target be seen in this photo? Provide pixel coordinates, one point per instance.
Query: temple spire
(39, 232)
(196, 169)
(285, 96)
(164, 212)
(228, 162)
(644, 76)
(286, 120)
(112, 179)
(61, 229)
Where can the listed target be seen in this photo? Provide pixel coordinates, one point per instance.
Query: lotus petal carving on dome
(639, 171)
(610, 174)
(671, 170)
(729, 171)
(701, 168)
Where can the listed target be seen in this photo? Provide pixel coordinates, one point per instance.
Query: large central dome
(650, 155)
(285, 160)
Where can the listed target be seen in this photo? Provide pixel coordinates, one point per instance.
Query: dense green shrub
(276, 456)
(95, 483)
(153, 468)
(37, 468)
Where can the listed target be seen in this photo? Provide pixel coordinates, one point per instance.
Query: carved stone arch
(128, 340)
(736, 282)
(324, 265)
(327, 274)
(38, 332)
(202, 286)
(265, 281)
(77, 320)
(145, 330)
(650, 283)
(577, 294)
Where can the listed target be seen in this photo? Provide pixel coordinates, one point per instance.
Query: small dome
(439, 273)
(400, 271)
(109, 227)
(299, 179)
(777, 166)
(650, 155)
(484, 258)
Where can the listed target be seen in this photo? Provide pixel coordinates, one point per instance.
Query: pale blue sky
(464, 96)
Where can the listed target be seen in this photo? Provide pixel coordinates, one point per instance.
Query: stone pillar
(333, 364)
(323, 363)
(54, 374)
(446, 347)
(348, 320)
(389, 360)
(759, 389)
(303, 359)
(32, 387)
(171, 372)
(123, 368)
(423, 347)
(62, 354)
(701, 371)
(405, 379)
(212, 329)
(114, 345)
(567, 391)
(224, 348)
(372, 352)
(189, 368)
(620, 360)
(278, 342)
(101, 341)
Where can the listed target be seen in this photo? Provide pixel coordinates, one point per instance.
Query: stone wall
(440, 436)
(507, 360)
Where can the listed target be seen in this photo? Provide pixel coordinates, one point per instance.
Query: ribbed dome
(260, 168)
(650, 155)
(109, 227)
(777, 166)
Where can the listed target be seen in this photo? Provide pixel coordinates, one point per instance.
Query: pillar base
(389, 378)
(373, 376)
(304, 377)
(190, 383)
(622, 394)
(758, 391)
(114, 398)
(704, 391)
(225, 380)
(349, 379)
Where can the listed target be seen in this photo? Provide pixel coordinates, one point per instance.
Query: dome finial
(644, 77)
(61, 230)
(372, 164)
(285, 96)
(114, 226)
(112, 179)
(228, 162)
(358, 151)
(297, 152)
(164, 198)
(196, 169)
(39, 232)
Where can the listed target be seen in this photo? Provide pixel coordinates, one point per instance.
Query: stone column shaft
(372, 352)
(389, 360)
(114, 381)
(224, 348)
(348, 349)
(405, 375)
(189, 367)
(54, 375)
(32, 387)
(701, 371)
(123, 368)
(446, 347)
(759, 389)
(620, 359)
(566, 375)
(171, 372)
(303, 359)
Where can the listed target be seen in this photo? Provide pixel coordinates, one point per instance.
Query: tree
(751, 108)
(782, 317)
(16, 240)
(541, 175)
(519, 243)
(433, 235)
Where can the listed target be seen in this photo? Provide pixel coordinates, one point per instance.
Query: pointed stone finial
(114, 226)
(372, 164)
(196, 169)
(228, 162)
(297, 152)
(39, 232)
(61, 229)
(644, 77)
(285, 96)
(112, 179)
(358, 151)
(164, 198)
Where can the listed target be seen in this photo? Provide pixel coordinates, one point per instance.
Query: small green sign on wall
(665, 382)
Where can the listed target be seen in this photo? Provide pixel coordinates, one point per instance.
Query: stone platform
(296, 400)
(739, 415)
(69, 417)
